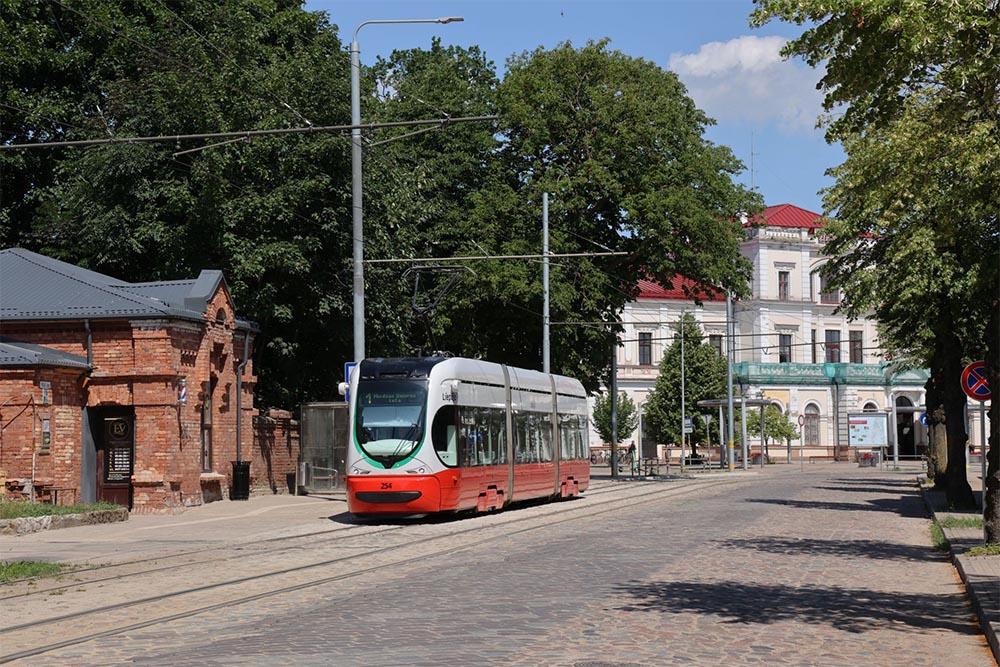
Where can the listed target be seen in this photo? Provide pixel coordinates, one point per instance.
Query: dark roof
(36, 287)
(14, 353)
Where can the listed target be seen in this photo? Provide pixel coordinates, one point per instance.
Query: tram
(448, 434)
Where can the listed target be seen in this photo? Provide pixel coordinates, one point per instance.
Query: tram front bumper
(394, 494)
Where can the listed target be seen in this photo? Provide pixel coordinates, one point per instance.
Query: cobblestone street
(832, 566)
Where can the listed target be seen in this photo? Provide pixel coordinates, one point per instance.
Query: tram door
(116, 457)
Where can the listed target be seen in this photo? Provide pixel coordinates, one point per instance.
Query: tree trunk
(992, 482)
(937, 445)
(948, 362)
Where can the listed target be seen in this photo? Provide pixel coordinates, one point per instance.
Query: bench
(812, 459)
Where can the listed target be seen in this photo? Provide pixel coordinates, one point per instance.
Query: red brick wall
(275, 452)
(140, 363)
(22, 416)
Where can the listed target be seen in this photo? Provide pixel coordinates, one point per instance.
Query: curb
(33, 524)
(980, 574)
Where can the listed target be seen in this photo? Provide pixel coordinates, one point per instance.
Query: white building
(816, 366)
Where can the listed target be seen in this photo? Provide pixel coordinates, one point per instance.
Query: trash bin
(240, 490)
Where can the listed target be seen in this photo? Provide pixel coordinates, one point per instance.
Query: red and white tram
(441, 434)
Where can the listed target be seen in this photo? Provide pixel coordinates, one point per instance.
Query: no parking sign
(974, 382)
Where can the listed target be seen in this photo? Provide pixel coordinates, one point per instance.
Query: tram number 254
(386, 485)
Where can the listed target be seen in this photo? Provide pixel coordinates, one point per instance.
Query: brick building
(135, 393)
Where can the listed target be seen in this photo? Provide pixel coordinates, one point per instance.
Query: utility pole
(683, 407)
(730, 335)
(545, 283)
(614, 406)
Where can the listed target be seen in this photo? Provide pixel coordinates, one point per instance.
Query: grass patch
(941, 542)
(22, 569)
(992, 549)
(15, 510)
(961, 522)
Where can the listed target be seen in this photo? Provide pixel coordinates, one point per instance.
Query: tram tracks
(89, 622)
(210, 555)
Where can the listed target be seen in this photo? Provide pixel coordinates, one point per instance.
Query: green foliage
(704, 379)
(14, 510)
(620, 148)
(614, 139)
(23, 569)
(777, 426)
(917, 237)
(938, 538)
(992, 549)
(627, 417)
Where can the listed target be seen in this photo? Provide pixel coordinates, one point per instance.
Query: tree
(628, 415)
(272, 213)
(705, 378)
(620, 147)
(938, 78)
(777, 426)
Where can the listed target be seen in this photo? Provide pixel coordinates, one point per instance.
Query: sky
(765, 106)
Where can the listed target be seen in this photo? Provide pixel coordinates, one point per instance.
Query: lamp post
(830, 369)
(356, 204)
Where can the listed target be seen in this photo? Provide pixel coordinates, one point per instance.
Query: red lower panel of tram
(483, 488)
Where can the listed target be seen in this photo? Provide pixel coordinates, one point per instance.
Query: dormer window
(220, 317)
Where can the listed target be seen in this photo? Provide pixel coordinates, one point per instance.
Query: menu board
(118, 447)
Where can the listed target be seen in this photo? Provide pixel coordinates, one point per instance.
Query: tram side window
(544, 422)
(444, 434)
(498, 428)
(582, 428)
(567, 437)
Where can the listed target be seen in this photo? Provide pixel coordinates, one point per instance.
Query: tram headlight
(417, 471)
(359, 471)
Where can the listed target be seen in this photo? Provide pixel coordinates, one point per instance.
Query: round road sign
(974, 382)
(802, 420)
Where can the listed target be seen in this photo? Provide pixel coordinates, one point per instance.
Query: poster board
(868, 429)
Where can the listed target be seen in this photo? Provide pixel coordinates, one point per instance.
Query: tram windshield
(389, 418)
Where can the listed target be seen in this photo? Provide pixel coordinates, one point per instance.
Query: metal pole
(356, 204)
(895, 433)
(743, 418)
(545, 282)
(683, 415)
(836, 421)
(722, 442)
(614, 406)
(762, 436)
(982, 457)
(730, 334)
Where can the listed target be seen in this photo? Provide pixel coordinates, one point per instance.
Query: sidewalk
(980, 574)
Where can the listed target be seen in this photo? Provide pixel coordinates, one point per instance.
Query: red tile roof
(652, 290)
(787, 215)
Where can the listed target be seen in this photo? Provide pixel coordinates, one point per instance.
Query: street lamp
(356, 205)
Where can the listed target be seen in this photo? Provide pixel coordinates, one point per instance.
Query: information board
(868, 429)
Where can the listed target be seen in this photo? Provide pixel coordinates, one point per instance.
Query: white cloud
(746, 79)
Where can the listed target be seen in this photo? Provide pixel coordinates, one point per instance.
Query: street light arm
(443, 19)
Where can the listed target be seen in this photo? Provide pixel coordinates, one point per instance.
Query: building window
(785, 348)
(645, 348)
(810, 429)
(856, 347)
(827, 295)
(814, 346)
(715, 340)
(206, 428)
(783, 294)
(832, 346)
(870, 407)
